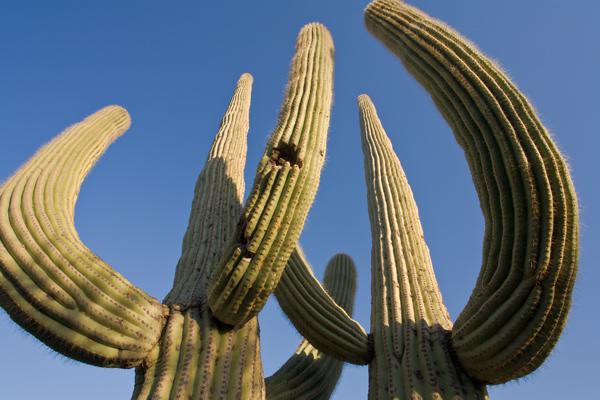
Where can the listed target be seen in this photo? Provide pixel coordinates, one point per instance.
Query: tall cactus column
(410, 324)
(197, 358)
(522, 297)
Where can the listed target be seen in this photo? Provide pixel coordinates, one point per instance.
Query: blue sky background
(173, 65)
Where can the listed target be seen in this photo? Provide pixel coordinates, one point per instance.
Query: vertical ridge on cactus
(50, 282)
(410, 324)
(317, 316)
(285, 185)
(521, 300)
(309, 374)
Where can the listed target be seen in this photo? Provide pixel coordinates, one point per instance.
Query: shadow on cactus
(202, 342)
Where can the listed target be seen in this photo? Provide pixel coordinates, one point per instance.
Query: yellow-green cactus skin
(410, 324)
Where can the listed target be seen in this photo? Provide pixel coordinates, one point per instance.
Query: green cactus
(285, 186)
(66, 296)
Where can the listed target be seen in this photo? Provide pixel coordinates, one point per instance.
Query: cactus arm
(198, 357)
(410, 324)
(317, 316)
(216, 207)
(50, 282)
(284, 188)
(309, 373)
(523, 293)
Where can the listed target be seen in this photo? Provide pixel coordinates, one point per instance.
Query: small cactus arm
(284, 188)
(309, 374)
(410, 324)
(52, 284)
(318, 316)
(523, 293)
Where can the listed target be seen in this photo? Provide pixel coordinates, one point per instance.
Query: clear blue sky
(173, 65)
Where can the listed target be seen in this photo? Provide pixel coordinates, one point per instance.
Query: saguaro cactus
(58, 290)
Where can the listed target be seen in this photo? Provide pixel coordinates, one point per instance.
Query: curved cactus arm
(217, 203)
(50, 282)
(324, 322)
(309, 373)
(410, 324)
(284, 188)
(520, 303)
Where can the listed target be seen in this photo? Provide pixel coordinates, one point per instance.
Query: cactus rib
(51, 283)
(284, 188)
(317, 316)
(522, 296)
(410, 324)
(309, 373)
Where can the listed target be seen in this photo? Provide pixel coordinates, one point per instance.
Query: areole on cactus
(202, 341)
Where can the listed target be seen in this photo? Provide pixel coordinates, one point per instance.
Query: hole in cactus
(242, 239)
(286, 152)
